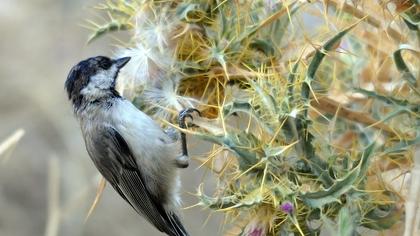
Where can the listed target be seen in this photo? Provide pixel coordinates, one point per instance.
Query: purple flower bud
(287, 207)
(257, 226)
(256, 232)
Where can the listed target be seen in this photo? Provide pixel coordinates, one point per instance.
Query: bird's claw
(183, 160)
(186, 113)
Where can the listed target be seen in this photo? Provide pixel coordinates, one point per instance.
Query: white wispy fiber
(145, 67)
(164, 97)
(151, 55)
(156, 29)
(152, 68)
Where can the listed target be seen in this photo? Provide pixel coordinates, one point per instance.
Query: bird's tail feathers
(176, 225)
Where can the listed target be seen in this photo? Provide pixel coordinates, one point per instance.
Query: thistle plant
(312, 107)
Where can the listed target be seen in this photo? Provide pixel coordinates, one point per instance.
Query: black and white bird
(128, 148)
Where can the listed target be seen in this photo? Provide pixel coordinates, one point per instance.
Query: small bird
(128, 148)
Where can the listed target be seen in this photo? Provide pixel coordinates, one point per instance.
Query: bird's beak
(120, 63)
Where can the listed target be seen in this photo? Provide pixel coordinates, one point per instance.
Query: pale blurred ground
(39, 42)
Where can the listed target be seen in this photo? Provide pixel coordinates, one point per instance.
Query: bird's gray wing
(115, 161)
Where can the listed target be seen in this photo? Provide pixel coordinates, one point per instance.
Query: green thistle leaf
(332, 194)
(402, 66)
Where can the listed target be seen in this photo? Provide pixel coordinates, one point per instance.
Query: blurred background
(48, 181)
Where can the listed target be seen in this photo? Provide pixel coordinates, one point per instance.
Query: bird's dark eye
(105, 64)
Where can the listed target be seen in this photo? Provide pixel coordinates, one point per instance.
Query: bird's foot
(186, 113)
(183, 160)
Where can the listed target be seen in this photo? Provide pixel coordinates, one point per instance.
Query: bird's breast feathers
(153, 149)
(144, 136)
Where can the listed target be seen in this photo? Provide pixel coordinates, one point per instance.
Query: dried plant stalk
(9, 144)
(54, 215)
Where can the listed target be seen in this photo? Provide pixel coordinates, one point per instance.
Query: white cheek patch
(100, 83)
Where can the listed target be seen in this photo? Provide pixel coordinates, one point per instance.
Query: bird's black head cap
(93, 78)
